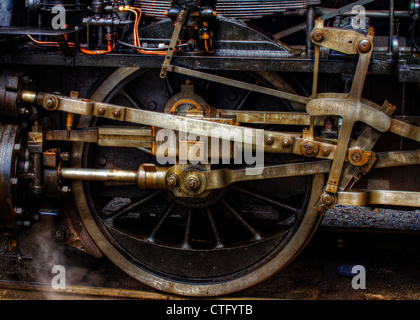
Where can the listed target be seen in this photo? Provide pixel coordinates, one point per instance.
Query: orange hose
(207, 47)
(136, 33)
(47, 43)
(98, 52)
(136, 36)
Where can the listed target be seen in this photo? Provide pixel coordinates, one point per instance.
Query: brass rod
(98, 174)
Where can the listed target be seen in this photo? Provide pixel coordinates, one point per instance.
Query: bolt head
(101, 111)
(309, 148)
(317, 36)
(102, 161)
(49, 103)
(364, 46)
(356, 157)
(328, 199)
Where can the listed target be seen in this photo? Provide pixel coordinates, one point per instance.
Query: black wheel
(232, 239)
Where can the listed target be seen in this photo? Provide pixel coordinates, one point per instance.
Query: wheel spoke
(144, 150)
(244, 99)
(131, 99)
(168, 211)
(256, 235)
(126, 209)
(219, 243)
(186, 242)
(266, 199)
(170, 87)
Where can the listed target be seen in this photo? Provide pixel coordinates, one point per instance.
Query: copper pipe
(98, 52)
(47, 43)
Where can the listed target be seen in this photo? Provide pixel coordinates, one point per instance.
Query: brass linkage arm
(255, 139)
(128, 137)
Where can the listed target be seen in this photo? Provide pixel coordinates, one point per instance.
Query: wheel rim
(184, 266)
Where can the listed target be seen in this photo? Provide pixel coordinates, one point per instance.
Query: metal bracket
(180, 20)
(379, 197)
(351, 107)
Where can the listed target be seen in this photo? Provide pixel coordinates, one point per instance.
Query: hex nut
(309, 148)
(317, 36)
(192, 183)
(172, 180)
(50, 102)
(61, 233)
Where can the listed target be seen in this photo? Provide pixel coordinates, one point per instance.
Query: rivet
(269, 140)
(101, 111)
(116, 114)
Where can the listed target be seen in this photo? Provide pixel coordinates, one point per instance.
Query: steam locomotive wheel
(228, 241)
